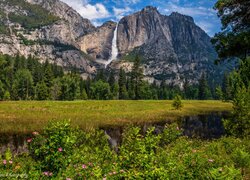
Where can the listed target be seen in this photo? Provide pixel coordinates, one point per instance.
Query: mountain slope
(50, 33)
(172, 47)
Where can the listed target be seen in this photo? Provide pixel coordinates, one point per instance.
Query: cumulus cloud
(121, 12)
(204, 17)
(191, 11)
(89, 11)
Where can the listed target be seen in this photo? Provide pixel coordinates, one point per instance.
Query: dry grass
(27, 116)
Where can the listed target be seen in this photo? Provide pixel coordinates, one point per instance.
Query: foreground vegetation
(61, 152)
(27, 116)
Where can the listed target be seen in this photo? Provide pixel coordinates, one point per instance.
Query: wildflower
(46, 173)
(104, 178)
(210, 160)
(50, 174)
(4, 162)
(177, 128)
(68, 178)
(35, 133)
(84, 166)
(60, 149)
(10, 161)
(114, 172)
(29, 140)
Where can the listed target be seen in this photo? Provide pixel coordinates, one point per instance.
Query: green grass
(27, 116)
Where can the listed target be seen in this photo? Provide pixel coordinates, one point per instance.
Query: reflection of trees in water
(203, 126)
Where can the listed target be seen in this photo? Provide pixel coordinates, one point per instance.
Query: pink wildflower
(35, 133)
(68, 178)
(114, 172)
(104, 178)
(46, 173)
(60, 149)
(10, 161)
(210, 160)
(29, 140)
(4, 162)
(84, 166)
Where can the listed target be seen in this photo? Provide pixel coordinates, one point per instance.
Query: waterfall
(114, 52)
(114, 49)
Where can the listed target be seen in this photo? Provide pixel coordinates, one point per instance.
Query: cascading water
(114, 52)
(114, 49)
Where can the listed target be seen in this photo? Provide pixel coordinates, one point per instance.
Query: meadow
(27, 116)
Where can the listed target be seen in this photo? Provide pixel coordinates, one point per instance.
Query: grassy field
(27, 116)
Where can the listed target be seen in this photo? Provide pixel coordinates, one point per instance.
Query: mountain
(172, 47)
(47, 29)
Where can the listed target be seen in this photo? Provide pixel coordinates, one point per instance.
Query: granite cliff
(172, 47)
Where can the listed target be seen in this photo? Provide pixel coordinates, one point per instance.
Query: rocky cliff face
(98, 43)
(56, 40)
(172, 47)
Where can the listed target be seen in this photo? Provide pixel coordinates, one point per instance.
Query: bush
(177, 104)
(54, 147)
(62, 152)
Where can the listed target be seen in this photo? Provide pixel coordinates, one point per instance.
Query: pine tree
(204, 92)
(23, 85)
(123, 94)
(2, 90)
(42, 91)
(177, 104)
(226, 89)
(112, 83)
(137, 77)
(48, 74)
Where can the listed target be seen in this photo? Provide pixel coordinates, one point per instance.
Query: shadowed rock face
(98, 43)
(172, 47)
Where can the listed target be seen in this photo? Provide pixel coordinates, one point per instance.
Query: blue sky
(99, 11)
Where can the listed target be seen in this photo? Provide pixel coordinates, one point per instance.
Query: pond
(205, 127)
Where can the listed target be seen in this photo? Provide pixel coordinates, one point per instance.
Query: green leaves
(177, 104)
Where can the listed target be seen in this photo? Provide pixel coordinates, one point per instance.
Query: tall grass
(27, 116)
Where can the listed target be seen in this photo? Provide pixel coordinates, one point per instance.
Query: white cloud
(191, 11)
(121, 12)
(206, 26)
(89, 11)
(204, 17)
(131, 1)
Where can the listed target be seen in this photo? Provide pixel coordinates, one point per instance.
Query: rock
(98, 43)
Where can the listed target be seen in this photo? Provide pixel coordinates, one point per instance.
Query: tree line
(27, 79)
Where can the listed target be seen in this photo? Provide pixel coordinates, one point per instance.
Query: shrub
(177, 104)
(54, 147)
